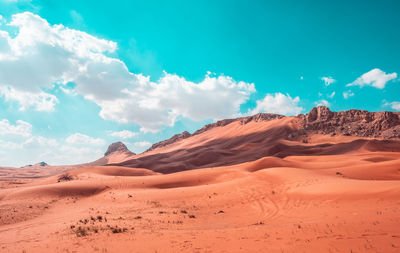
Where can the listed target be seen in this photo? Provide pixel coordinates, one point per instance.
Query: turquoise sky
(298, 54)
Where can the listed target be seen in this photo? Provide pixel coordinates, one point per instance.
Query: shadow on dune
(246, 148)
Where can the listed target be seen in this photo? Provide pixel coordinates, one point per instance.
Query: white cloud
(328, 80)
(18, 146)
(37, 142)
(375, 78)
(48, 54)
(20, 129)
(124, 134)
(347, 94)
(322, 102)
(52, 151)
(278, 103)
(40, 101)
(142, 144)
(82, 139)
(394, 105)
(153, 105)
(332, 95)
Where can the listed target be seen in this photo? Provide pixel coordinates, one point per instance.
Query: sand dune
(254, 187)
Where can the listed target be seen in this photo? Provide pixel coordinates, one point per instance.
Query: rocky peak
(352, 122)
(320, 113)
(117, 147)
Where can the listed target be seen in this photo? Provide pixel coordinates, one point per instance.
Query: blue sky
(78, 75)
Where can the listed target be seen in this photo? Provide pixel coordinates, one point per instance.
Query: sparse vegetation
(81, 231)
(65, 177)
(259, 223)
(116, 230)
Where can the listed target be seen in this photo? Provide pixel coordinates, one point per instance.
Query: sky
(76, 76)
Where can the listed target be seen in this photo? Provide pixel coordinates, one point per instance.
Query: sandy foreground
(334, 203)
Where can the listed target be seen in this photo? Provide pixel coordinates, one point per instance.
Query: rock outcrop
(171, 140)
(352, 123)
(243, 120)
(117, 147)
(319, 120)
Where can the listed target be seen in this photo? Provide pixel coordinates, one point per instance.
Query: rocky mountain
(117, 147)
(235, 141)
(352, 123)
(320, 120)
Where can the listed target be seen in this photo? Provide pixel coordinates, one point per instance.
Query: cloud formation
(124, 134)
(142, 144)
(39, 101)
(322, 102)
(394, 105)
(52, 151)
(375, 78)
(17, 139)
(278, 103)
(19, 129)
(347, 94)
(82, 139)
(54, 54)
(328, 80)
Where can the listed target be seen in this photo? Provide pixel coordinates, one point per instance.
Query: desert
(156, 126)
(264, 183)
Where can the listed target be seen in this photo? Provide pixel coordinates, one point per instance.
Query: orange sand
(344, 197)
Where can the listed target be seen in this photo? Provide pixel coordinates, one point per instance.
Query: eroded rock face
(352, 122)
(117, 147)
(173, 139)
(319, 120)
(243, 120)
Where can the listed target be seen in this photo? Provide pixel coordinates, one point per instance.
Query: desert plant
(81, 232)
(65, 177)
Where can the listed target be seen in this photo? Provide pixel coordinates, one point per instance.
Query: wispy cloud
(142, 144)
(124, 134)
(394, 105)
(347, 94)
(322, 102)
(82, 139)
(328, 80)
